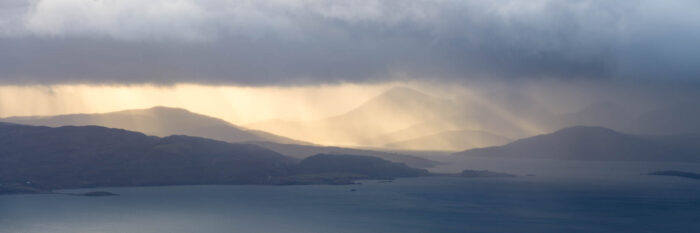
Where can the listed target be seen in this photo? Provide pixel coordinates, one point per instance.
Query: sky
(311, 42)
(303, 60)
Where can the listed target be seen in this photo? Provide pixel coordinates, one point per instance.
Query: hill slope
(304, 151)
(158, 121)
(72, 156)
(39, 158)
(597, 143)
(450, 140)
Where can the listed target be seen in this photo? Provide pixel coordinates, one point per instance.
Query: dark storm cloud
(303, 42)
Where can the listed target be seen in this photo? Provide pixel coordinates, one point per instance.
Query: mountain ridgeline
(390, 111)
(407, 119)
(84, 156)
(45, 158)
(158, 121)
(403, 119)
(597, 143)
(163, 122)
(304, 151)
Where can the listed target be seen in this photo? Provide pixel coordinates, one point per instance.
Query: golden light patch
(389, 115)
(238, 105)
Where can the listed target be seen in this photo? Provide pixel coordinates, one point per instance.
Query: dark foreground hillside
(35, 159)
(158, 121)
(96, 156)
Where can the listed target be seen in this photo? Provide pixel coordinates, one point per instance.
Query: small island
(483, 173)
(97, 194)
(682, 174)
(30, 188)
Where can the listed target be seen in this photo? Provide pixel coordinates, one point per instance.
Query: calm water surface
(626, 202)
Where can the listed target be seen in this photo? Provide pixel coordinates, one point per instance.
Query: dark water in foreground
(636, 203)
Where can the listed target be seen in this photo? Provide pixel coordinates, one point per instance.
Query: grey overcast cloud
(276, 42)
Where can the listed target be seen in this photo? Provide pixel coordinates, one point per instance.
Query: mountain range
(39, 158)
(77, 156)
(158, 121)
(392, 110)
(399, 119)
(597, 143)
(163, 122)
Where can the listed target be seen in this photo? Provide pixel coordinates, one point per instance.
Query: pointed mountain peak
(402, 92)
(163, 111)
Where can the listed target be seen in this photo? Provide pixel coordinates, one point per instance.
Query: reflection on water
(622, 203)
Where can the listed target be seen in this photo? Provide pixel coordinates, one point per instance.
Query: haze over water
(625, 201)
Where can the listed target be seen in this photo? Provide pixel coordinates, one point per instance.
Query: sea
(547, 196)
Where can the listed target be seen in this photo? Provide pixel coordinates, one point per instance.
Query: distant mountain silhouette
(400, 114)
(158, 121)
(39, 158)
(457, 132)
(451, 140)
(392, 110)
(304, 151)
(597, 143)
(496, 116)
